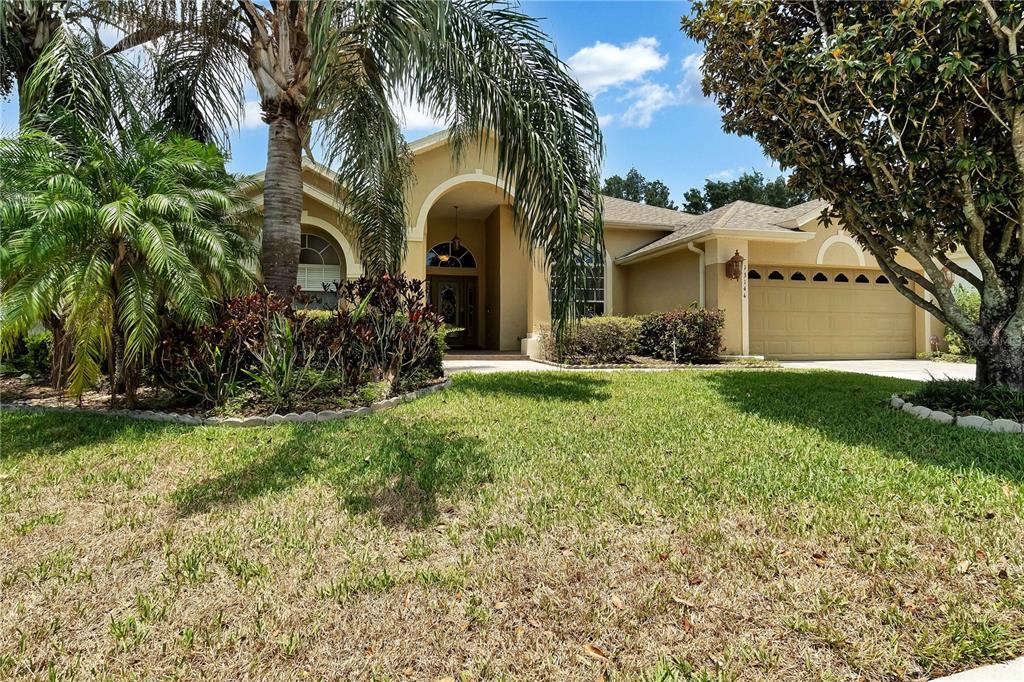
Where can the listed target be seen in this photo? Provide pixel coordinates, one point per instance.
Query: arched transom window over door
(319, 263)
(448, 255)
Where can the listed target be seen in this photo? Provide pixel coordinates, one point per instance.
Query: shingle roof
(630, 212)
(738, 215)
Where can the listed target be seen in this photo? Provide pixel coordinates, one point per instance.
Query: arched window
(448, 255)
(881, 279)
(841, 278)
(319, 263)
(798, 277)
(862, 279)
(775, 274)
(753, 274)
(820, 277)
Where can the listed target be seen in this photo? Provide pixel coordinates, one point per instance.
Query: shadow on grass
(55, 433)
(849, 408)
(398, 468)
(562, 386)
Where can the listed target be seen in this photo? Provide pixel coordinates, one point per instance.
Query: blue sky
(644, 76)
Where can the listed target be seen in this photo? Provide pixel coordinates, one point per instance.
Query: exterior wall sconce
(734, 266)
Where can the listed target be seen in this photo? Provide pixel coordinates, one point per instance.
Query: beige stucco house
(806, 291)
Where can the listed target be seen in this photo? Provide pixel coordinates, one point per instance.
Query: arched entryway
(476, 267)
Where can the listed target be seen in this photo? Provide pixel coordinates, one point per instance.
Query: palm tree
(326, 72)
(109, 234)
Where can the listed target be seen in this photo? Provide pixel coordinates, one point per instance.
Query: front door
(454, 298)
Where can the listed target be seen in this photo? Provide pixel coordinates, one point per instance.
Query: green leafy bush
(968, 299)
(685, 335)
(963, 396)
(597, 340)
(384, 331)
(38, 353)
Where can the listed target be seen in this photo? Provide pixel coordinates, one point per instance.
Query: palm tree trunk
(60, 357)
(282, 206)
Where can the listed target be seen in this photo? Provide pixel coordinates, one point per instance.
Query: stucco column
(538, 305)
(728, 295)
(415, 265)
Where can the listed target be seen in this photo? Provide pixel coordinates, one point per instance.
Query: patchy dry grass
(719, 525)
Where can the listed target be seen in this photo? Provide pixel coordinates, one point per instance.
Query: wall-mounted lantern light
(734, 266)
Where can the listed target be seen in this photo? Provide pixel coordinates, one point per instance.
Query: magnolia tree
(908, 117)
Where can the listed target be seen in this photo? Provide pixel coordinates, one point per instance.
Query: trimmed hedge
(597, 340)
(691, 335)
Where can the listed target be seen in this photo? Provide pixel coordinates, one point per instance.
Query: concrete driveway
(918, 370)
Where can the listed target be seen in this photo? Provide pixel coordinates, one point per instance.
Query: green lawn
(706, 525)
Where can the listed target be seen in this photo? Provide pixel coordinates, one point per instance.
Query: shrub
(685, 335)
(395, 331)
(205, 363)
(383, 332)
(32, 353)
(596, 340)
(969, 300)
(963, 396)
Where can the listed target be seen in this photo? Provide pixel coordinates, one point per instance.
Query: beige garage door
(799, 314)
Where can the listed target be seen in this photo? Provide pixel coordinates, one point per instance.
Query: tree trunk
(60, 358)
(1001, 361)
(282, 206)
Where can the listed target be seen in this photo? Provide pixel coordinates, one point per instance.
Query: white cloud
(690, 91)
(727, 174)
(252, 116)
(603, 65)
(646, 100)
(605, 119)
(414, 116)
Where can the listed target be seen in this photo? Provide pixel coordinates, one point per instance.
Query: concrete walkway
(1011, 671)
(489, 366)
(918, 370)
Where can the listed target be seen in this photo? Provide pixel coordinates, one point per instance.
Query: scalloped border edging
(242, 422)
(970, 421)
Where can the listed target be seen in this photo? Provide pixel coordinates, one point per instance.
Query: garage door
(799, 314)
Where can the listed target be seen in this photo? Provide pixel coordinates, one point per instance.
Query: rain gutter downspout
(700, 267)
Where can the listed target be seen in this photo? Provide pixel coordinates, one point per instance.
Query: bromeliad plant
(103, 238)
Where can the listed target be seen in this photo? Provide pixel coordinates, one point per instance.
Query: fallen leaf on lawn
(617, 602)
(501, 605)
(695, 580)
(1008, 491)
(1003, 574)
(446, 679)
(408, 672)
(687, 624)
(980, 554)
(408, 598)
(819, 558)
(681, 601)
(963, 566)
(597, 652)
